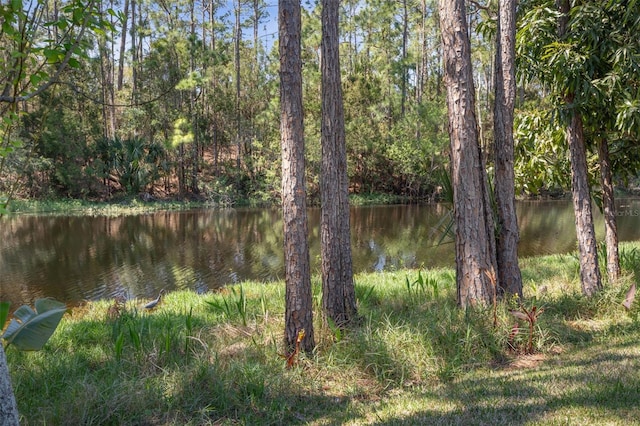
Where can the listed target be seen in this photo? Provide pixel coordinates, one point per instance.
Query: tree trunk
(238, 37)
(587, 247)
(609, 210)
(405, 72)
(214, 79)
(298, 296)
(475, 249)
(338, 293)
(8, 407)
(509, 275)
(195, 146)
(123, 43)
(134, 55)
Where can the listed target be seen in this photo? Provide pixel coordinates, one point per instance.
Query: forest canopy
(180, 99)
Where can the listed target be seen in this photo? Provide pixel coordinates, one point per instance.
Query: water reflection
(76, 258)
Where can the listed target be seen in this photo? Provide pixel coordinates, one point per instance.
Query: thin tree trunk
(509, 275)
(214, 80)
(238, 37)
(298, 296)
(405, 38)
(338, 292)
(475, 248)
(134, 56)
(609, 209)
(195, 148)
(8, 407)
(123, 43)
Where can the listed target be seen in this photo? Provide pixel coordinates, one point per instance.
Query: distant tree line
(181, 98)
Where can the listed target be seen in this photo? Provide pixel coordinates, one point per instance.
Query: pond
(75, 258)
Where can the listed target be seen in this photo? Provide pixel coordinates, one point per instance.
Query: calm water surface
(73, 258)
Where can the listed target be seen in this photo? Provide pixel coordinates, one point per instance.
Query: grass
(126, 204)
(413, 358)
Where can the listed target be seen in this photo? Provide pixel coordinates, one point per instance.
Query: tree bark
(405, 72)
(123, 43)
(298, 296)
(195, 145)
(338, 293)
(609, 210)
(8, 407)
(475, 248)
(509, 275)
(587, 246)
(236, 55)
(134, 55)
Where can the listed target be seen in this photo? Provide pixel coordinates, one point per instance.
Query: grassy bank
(413, 358)
(129, 205)
(135, 205)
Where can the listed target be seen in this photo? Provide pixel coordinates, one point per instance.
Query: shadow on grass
(599, 387)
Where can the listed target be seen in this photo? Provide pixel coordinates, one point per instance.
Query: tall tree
(475, 248)
(236, 64)
(299, 301)
(587, 246)
(509, 275)
(123, 44)
(338, 293)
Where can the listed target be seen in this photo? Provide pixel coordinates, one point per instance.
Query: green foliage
(182, 133)
(541, 154)
(4, 312)
(591, 69)
(135, 162)
(30, 329)
(233, 306)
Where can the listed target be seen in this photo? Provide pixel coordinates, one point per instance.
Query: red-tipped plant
(292, 358)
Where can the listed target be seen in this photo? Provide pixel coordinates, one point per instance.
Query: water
(75, 258)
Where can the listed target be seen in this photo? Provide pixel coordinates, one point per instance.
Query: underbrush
(215, 358)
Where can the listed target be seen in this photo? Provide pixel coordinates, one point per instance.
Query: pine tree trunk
(338, 293)
(587, 246)
(509, 275)
(475, 248)
(193, 113)
(298, 297)
(8, 407)
(609, 209)
(236, 64)
(123, 43)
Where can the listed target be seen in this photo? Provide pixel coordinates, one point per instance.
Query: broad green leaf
(29, 330)
(35, 79)
(52, 55)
